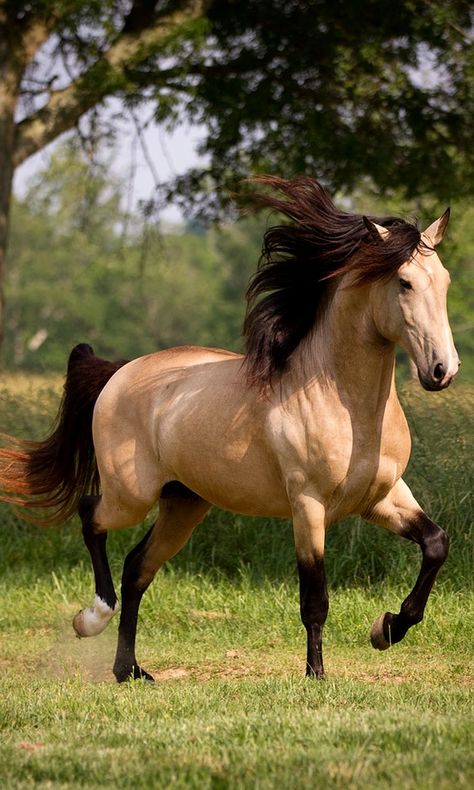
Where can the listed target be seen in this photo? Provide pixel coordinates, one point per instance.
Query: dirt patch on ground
(235, 664)
(172, 673)
(380, 677)
(204, 673)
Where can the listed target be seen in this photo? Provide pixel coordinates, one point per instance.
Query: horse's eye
(405, 284)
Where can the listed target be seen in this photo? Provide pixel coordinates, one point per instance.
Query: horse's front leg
(309, 533)
(401, 513)
(92, 620)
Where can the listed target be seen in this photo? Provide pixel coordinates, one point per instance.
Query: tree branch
(64, 107)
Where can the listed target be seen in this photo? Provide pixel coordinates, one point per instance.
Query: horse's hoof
(78, 624)
(94, 619)
(132, 673)
(377, 636)
(85, 624)
(315, 674)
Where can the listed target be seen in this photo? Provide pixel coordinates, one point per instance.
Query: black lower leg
(314, 608)
(434, 545)
(126, 666)
(96, 544)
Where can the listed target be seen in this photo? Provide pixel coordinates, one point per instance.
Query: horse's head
(410, 309)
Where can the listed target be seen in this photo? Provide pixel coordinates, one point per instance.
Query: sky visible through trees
(171, 153)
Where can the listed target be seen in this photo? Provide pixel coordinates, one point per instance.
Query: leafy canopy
(340, 90)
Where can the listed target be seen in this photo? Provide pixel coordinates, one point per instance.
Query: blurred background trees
(81, 269)
(367, 91)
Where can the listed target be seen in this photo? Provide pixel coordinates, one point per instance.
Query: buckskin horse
(305, 425)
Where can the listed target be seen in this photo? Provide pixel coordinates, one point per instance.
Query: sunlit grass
(231, 707)
(220, 631)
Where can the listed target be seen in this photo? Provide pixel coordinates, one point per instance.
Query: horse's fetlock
(411, 614)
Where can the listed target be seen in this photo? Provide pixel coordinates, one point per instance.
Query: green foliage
(74, 275)
(342, 91)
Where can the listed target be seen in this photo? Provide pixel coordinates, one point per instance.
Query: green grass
(231, 707)
(220, 630)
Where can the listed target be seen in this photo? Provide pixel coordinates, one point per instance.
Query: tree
(340, 90)
(94, 48)
(74, 276)
(325, 86)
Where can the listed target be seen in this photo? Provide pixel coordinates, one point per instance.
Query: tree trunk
(144, 30)
(11, 68)
(6, 179)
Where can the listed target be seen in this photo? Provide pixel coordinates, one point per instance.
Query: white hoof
(377, 636)
(93, 620)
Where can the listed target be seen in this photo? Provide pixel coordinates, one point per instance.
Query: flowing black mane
(300, 259)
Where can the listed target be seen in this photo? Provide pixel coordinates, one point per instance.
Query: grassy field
(220, 631)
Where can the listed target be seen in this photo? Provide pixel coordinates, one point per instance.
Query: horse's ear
(376, 231)
(437, 229)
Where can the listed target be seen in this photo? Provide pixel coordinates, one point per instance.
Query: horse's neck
(345, 352)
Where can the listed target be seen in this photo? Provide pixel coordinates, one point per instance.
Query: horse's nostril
(439, 371)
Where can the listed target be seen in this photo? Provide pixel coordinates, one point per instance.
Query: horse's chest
(366, 481)
(350, 464)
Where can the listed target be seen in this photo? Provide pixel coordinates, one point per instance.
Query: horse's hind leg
(400, 513)
(116, 509)
(180, 512)
(92, 620)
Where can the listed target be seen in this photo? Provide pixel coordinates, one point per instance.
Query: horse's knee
(436, 546)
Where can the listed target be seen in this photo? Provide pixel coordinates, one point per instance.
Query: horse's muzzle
(437, 379)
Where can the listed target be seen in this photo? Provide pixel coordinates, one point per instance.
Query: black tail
(55, 473)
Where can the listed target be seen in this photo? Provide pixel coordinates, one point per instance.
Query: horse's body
(186, 414)
(307, 425)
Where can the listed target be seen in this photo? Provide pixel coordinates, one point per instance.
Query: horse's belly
(249, 497)
(228, 466)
